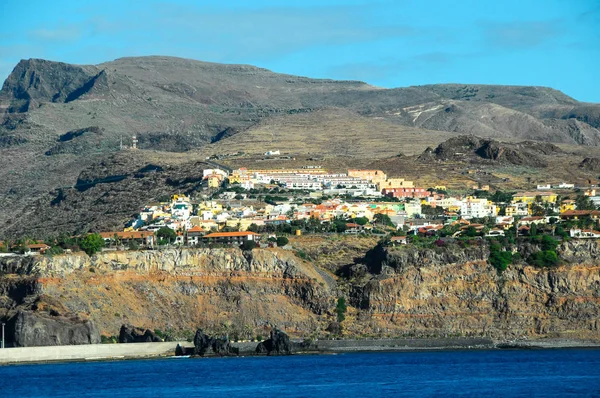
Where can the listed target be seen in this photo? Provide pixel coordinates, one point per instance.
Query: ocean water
(494, 373)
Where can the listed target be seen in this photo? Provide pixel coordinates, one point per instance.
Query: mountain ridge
(181, 108)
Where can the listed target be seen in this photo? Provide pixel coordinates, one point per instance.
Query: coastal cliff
(391, 292)
(224, 290)
(452, 291)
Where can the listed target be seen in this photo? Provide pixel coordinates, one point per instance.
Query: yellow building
(395, 183)
(529, 197)
(238, 176)
(211, 206)
(375, 176)
(206, 225)
(180, 196)
(242, 224)
(567, 205)
(453, 209)
(302, 170)
(214, 180)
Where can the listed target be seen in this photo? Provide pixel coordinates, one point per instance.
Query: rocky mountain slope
(446, 291)
(59, 119)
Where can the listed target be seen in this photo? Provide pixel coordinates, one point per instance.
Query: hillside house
(584, 234)
(353, 228)
(231, 238)
(405, 192)
(194, 235)
(398, 240)
(495, 232)
(37, 248)
(141, 238)
(580, 214)
(476, 208)
(375, 176)
(530, 197)
(532, 220)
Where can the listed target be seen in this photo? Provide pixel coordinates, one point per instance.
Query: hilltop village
(243, 206)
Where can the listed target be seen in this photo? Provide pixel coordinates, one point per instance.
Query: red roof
(581, 213)
(230, 234)
(127, 235)
(533, 218)
(38, 246)
(195, 229)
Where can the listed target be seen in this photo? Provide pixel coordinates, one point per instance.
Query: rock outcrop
(131, 334)
(30, 329)
(590, 164)
(439, 292)
(470, 147)
(204, 344)
(278, 344)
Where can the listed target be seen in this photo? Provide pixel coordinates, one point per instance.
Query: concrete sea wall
(87, 352)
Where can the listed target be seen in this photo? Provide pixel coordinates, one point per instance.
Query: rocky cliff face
(223, 290)
(445, 291)
(441, 292)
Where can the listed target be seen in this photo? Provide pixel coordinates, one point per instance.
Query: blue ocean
(494, 373)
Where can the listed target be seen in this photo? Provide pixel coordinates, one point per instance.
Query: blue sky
(397, 43)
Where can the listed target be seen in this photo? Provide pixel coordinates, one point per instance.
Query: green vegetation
(361, 220)
(339, 226)
(249, 245)
(302, 254)
(92, 244)
(54, 250)
(166, 235)
(544, 259)
(496, 197)
(499, 258)
(340, 309)
(584, 203)
(547, 256)
(383, 219)
(432, 211)
(282, 241)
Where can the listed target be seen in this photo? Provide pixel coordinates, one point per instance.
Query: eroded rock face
(278, 344)
(447, 290)
(29, 329)
(591, 164)
(131, 334)
(422, 296)
(205, 344)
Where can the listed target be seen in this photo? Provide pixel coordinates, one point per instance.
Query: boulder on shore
(33, 329)
(278, 344)
(219, 346)
(132, 334)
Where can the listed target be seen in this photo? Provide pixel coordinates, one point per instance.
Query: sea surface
(494, 373)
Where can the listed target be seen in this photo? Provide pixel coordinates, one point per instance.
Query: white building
(564, 185)
(208, 172)
(477, 208)
(302, 183)
(413, 208)
(584, 234)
